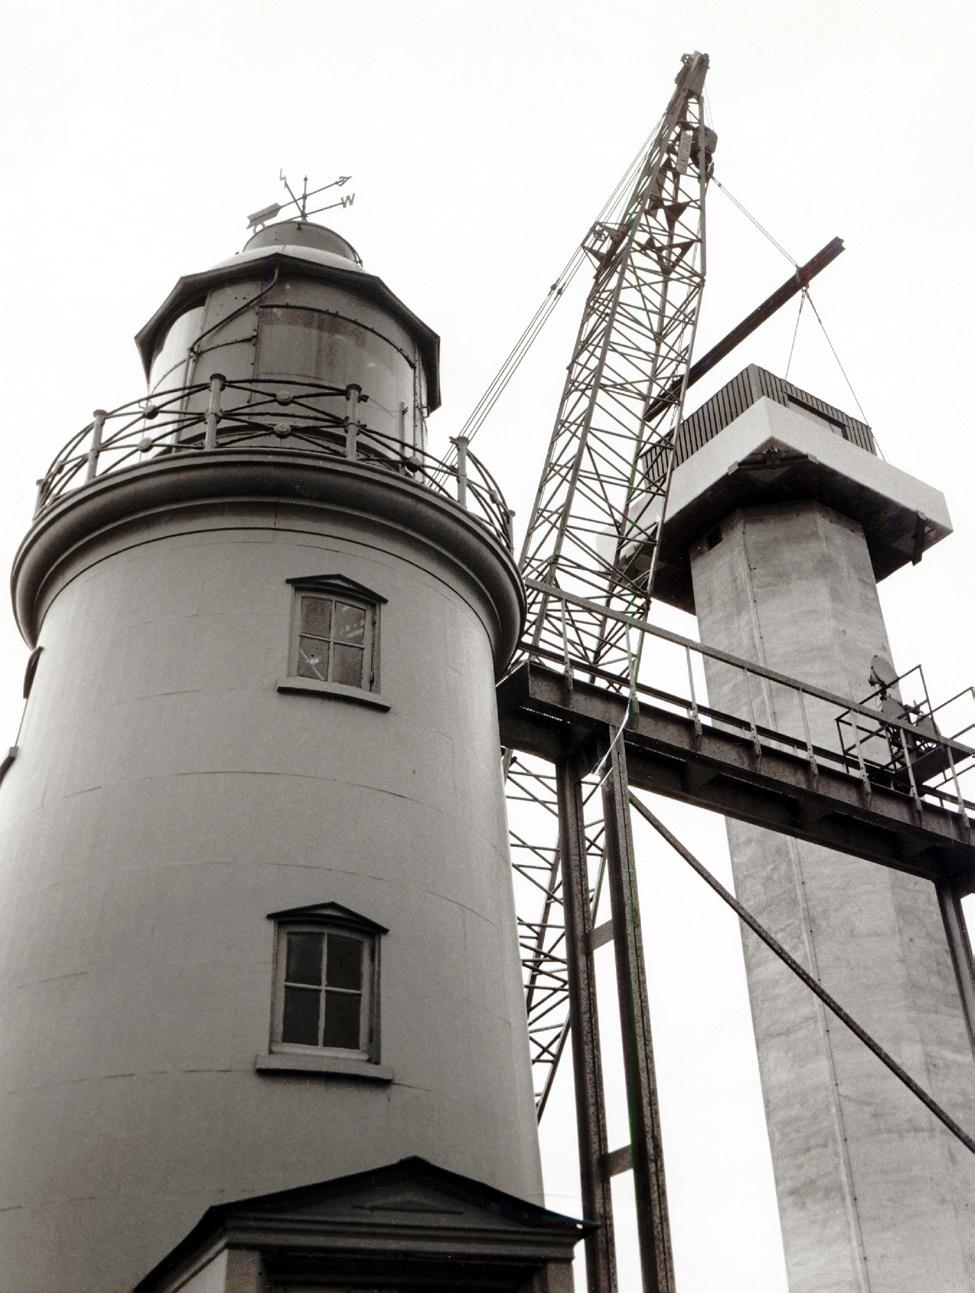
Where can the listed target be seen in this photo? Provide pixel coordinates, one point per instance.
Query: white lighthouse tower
(257, 924)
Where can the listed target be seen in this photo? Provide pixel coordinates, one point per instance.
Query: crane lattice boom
(623, 393)
(592, 533)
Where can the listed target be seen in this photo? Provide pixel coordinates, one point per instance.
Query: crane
(592, 533)
(588, 564)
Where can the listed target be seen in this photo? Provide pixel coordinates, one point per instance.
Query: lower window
(324, 998)
(326, 988)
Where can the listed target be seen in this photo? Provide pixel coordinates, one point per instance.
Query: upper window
(335, 634)
(334, 640)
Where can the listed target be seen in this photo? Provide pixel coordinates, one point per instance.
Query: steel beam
(597, 1198)
(646, 1144)
(796, 282)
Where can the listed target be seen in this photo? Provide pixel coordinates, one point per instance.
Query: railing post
(905, 748)
(567, 665)
(213, 410)
(403, 410)
(352, 393)
(695, 712)
(756, 744)
(461, 441)
(99, 417)
(864, 777)
(958, 795)
(807, 733)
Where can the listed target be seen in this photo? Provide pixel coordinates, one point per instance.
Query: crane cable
(795, 333)
(760, 227)
(520, 349)
(806, 294)
(839, 365)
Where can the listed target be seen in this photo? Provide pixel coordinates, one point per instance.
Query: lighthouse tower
(258, 938)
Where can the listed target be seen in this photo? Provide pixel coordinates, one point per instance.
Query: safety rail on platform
(910, 736)
(272, 416)
(863, 756)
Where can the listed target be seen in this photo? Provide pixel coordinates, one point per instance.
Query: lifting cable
(836, 356)
(520, 349)
(760, 227)
(802, 301)
(814, 986)
(806, 294)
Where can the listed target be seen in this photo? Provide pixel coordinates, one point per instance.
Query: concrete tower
(257, 920)
(782, 519)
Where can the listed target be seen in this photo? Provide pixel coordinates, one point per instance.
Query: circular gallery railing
(310, 418)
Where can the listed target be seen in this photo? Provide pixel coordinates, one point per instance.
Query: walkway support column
(631, 982)
(597, 1199)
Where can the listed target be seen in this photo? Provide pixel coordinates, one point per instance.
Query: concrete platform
(774, 454)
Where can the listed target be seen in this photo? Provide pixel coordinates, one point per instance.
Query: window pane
(343, 967)
(342, 1011)
(350, 623)
(304, 962)
(312, 659)
(347, 664)
(300, 1022)
(316, 616)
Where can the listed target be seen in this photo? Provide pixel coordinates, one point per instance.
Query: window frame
(343, 589)
(325, 919)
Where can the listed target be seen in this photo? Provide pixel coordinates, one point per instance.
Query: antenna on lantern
(259, 219)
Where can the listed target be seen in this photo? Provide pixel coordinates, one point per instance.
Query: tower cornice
(122, 502)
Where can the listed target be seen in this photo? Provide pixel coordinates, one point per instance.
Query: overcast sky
(482, 140)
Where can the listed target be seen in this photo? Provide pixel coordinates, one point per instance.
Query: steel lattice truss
(533, 836)
(600, 503)
(596, 511)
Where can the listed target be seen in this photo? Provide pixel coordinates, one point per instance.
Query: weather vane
(260, 218)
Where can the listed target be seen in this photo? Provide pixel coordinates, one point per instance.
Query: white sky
(482, 142)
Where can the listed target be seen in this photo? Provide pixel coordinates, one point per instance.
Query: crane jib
(632, 353)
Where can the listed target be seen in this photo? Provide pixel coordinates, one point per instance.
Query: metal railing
(910, 738)
(865, 754)
(310, 418)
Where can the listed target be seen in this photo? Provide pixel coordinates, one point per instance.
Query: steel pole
(653, 1227)
(597, 1198)
(959, 945)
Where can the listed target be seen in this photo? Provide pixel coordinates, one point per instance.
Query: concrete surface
(772, 454)
(875, 1195)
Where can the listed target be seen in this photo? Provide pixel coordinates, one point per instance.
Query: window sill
(334, 689)
(326, 1065)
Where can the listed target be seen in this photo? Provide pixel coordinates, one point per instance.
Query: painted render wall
(874, 1193)
(167, 798)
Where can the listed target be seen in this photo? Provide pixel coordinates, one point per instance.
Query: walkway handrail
(859, 765)
(715, 653)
